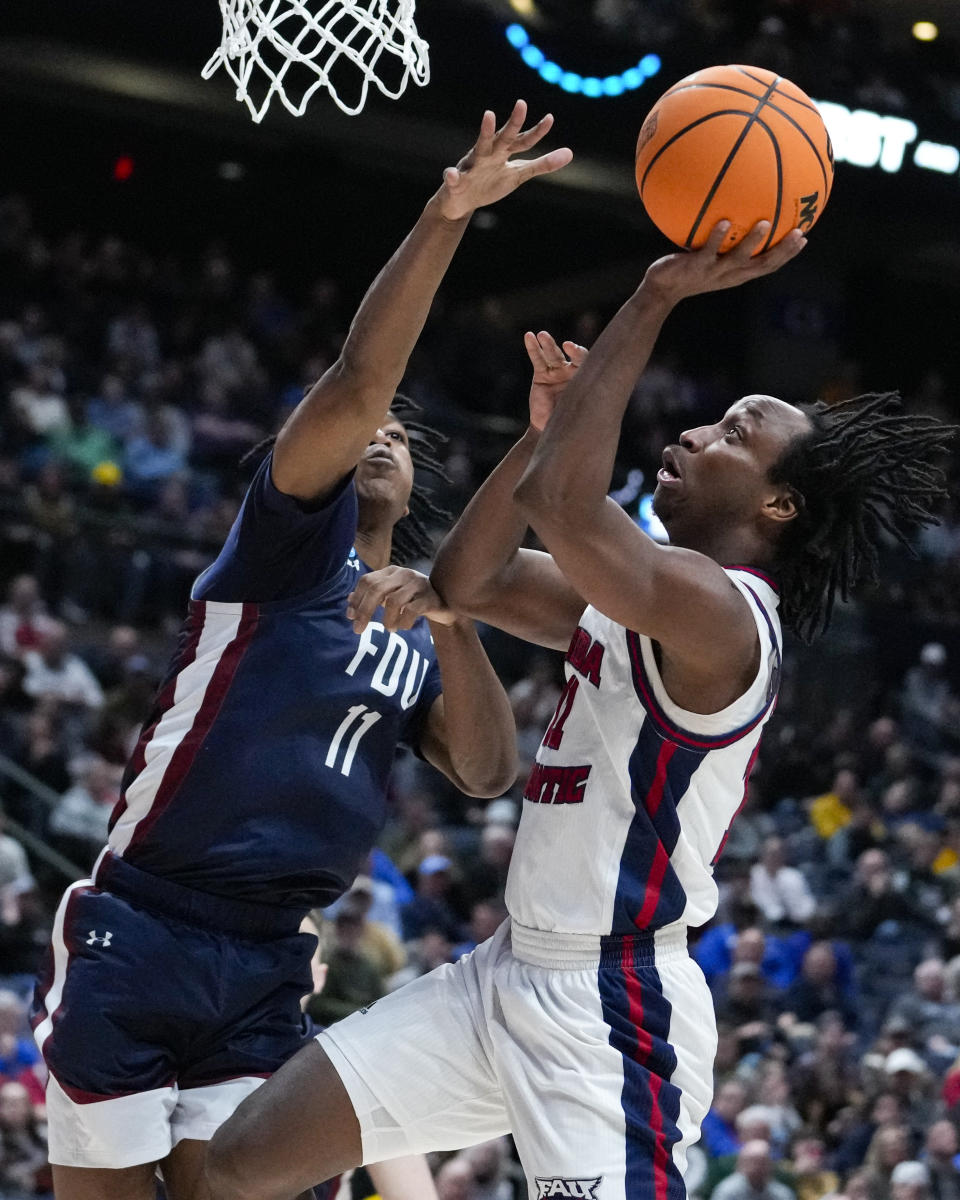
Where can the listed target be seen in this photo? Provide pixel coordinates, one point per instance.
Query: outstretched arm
(324, 437)
(480, 568)
(676, 596)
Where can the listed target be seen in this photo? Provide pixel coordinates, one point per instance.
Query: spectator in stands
(910, 1081)
(24, 618)
(833, 810)
(876, 897)
(15, 874)
(488, 1161)
(378, 941)
(928, 704)
(112, 409)
(910, 1181)
(932, 1015)
(819, 990)
(718, 1131)
(78, 824)
(486, 917)
(24, 1170)
(826, 1077)
(891, 1145)
(152, 457)
(352, 980)
(455, 1180)
(430, 908)
(432, 949)
(856, 1135)
(753, 1178)
(813, 1179)
(778, 890)
(941, 1154)
(54, 671)
(485, 877)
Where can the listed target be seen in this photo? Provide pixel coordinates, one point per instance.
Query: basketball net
(282, 48)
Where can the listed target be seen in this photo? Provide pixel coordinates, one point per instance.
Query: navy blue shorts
(159, 1011)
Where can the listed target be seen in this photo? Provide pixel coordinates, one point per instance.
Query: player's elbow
(547, 499)
(489, 784)
(542, 491)
(362, 373)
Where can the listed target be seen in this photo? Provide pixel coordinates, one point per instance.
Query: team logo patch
(576, 1189)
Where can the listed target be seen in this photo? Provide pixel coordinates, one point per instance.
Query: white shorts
(595, 1053)
(125, 1131)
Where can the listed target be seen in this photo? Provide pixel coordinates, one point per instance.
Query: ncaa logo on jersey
(576, 1189)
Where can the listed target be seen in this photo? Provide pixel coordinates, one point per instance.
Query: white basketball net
(282, 48)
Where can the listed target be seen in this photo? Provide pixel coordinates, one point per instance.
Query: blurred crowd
(130, 386)
(820, 42)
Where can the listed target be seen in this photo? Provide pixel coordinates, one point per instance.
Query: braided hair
(412, 539)
(865, 469)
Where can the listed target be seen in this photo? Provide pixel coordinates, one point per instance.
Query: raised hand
(403, 595)
(486, 173)
(691, 272)
(553, 368)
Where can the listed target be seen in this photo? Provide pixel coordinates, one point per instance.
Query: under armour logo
(103, 939)
(575, 1189)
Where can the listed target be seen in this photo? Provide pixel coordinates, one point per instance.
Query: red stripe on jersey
(661, 860)
(655, 795)
(164, 700)
(182, 758)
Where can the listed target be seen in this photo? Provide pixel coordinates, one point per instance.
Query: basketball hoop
(282, 48)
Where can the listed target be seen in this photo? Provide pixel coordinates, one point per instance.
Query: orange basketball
(736, 144)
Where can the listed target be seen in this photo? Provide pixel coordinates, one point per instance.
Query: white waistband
(567, 950)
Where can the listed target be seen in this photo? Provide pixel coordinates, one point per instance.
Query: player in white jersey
(583, 1026)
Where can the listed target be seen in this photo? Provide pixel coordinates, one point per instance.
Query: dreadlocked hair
(863, 470)
(412, 538)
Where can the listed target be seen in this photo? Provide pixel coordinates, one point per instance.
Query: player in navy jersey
(583, 1026)
(258, 785)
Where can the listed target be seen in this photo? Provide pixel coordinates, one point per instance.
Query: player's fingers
(451, 177)
(751, 242)
(529, 137)
(787, 248)
(575, 352)
(534, 351)
(556, 160)
(513, 124)
(552, 353)
(715, 241)
(487, 134)
(364, 601)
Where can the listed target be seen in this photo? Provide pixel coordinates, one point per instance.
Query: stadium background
(152, 236)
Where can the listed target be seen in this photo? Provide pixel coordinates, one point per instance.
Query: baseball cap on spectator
(501, 812)
(434, 863)
(910, 1172)
(904, 1059)
(897, 1026)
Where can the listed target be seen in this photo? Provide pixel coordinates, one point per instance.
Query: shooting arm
(481, 570)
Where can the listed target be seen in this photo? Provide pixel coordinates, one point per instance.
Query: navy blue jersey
(261, 772)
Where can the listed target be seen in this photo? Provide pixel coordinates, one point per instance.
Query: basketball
(734, 143)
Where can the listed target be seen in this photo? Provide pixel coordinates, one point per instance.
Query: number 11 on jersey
(359, 719)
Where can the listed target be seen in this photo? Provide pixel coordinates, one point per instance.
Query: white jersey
(629, 802)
